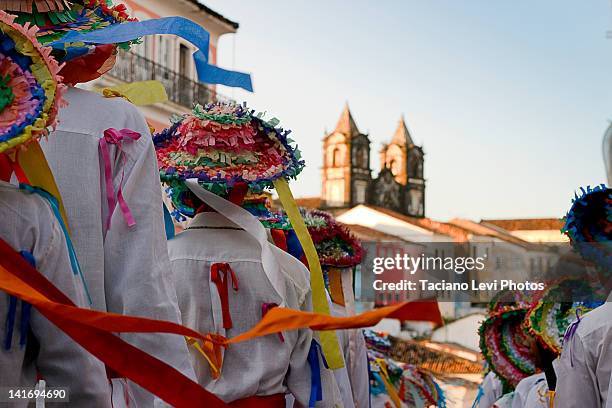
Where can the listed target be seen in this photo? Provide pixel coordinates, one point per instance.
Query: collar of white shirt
(211, 220)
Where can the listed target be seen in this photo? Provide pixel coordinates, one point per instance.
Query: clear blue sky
(510, 99)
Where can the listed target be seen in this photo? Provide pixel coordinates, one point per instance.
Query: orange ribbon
(281, 319)
(94, 330)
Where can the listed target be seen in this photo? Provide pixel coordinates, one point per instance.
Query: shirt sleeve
(298, 378)
(576, 380)
(61, 361)
(137, 269)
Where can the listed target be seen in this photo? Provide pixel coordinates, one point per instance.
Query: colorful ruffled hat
(561, 305)
(588, 224)
(335, 245)
(504, 342)
(259, 207)
(31, 90)
(57, 18)
(377, 341)
(222, 144)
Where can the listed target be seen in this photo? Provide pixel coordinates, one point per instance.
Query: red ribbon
(279, 238)
(9, 166)
(219, 273)
(116, 137)
(94, 331)
(238, 192)
(6, 170)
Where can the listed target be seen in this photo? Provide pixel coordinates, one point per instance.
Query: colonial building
(347, 176)
(168, 58)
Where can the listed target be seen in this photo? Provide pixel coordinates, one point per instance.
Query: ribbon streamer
(316, 388)
(283, 319)
(220, 275)
(35, 165)
(74, 262)
(265, 307)
(95, 332)
(329, 340)
(168, 223)
(180, 26)
(141, 93)
(116, 137)
(384, 375)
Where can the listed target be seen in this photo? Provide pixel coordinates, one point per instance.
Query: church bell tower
(346, 172)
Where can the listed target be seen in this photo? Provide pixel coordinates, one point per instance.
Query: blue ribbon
(294, 247)
(10, 321)
(26, 309)
(74, 262)
(180, 26)
(316, 388)
(168, 224)
(479, 396)
(379, 385)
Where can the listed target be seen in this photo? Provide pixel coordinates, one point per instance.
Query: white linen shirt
(355, 352)
(532, 392)
(126, 269)
(492, 390)
(583, 370)
(263, 366)
(28, 224)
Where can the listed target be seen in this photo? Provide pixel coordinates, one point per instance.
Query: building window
(184, 61)
(337, 158)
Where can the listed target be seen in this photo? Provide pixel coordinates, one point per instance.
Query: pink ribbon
(116, 137)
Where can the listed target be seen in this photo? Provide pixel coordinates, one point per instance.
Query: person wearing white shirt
(271, 365)
(532, 392)
(585, 365)
(489, 391)
(584, 368)
(355, 352)
(228, 274)
(126, 269)
(28, 224)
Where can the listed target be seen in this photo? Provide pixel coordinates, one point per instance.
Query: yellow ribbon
(35, 165)
(387, 381)
(551, 399)
(215, 370)
(329, 340)
(139, 93)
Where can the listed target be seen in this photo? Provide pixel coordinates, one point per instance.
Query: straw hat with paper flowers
(588, 224)
(504, 342)
(220, 145)
(30, 88)
(56, 18)
(562, 304)
(335, 245)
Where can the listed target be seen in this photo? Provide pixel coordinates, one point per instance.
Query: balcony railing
(182, 90)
